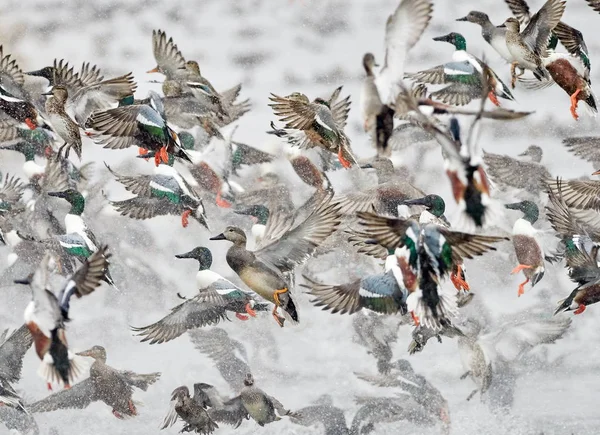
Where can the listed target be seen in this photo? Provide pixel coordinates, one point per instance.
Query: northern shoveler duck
(165, 192)
(63, 125)
(517, 173)
(430, 251)
(402, 375)
(46, 314)
(489, 356)
(18, 109)
(422, 334)
(403, 29)
(528, 47)
(210, 181)
(191, 410)
(465, 75)
(584, 270)
(13, 348)
(263, 409)
(140, 124)
(105, 384)
(529, 252)
(245, 155)
(263, 270)
(216, 295)
(316, 124)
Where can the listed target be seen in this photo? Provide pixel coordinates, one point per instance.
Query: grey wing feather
(141, 381)
(298, 244)
(145, 208)
(12, 352)
(538, 30)
(79, 396)
(167, 55)
(232, 412)
(587, 148)
(138, 184)
(515, 173)
(457, 94)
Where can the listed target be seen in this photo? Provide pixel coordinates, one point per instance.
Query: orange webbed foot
(522, 288)
(117, 414)
(415, 318)
(157, 158)
(49, 386)
(519, 268)
(249, 310)
(164, 155)
(132, 407)
(345, 163)
(579, 309)
(574, 102)
(241, 316)
(184, 218)
(459, 283)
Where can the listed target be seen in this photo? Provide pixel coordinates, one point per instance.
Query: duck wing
(168, 57)
(12, 189)
(520, 9)
(99, 96)
(299, 243)
(573, 41)
(226, 354)
(12, 351)
(364, 242)
(85, 280)
(457, 94)
(580, 194)
(11, 76)
(138, 184)
(232, 412)
(331, 417)
(207, 308)
(388, 232)
(79, 396)
(339, 109)
(515, 173)
(403, 30)
(296, 113)
(537, 33)
(465, 245)
(115, 128)
(588, 147)
(146, 208)
(141, 381)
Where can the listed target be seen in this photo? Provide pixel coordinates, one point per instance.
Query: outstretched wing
(339, 109)
(467, 245)
(538, 30)
(581, 194)
(168, 57)
(12, 352)
(388, 232)
(79, 396)
(115, 128)
(297, 113)
(299, 243)
(145, 208)
(207, 308)
(232, 412)
(141, 381)
(587, 147)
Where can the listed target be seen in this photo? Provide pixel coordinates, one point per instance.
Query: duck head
(369, 63)
(512, 25)
(75, 199)
(534, 152)
(201, 254)
(475, 17)
(180, 393)
(193, 67)
(259, 212)
(249, 380)
(187, 140)
(530, 210)
(455, 39)
(59, 92)
(434, 204)
(233, 234)
(96, 352)
(47, 72)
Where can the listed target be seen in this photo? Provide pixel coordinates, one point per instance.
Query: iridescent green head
(201, 254)
(75, 198)
(530, 210)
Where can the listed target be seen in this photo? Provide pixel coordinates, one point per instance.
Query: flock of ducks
(394, 224)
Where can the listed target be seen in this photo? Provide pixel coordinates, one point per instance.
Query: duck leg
(470, 396)
(574, 102)
(117, 414)
(513, 74)
(456, 276)
(184, 218)
(519, 268)
(249, 310)
(521, 290)
(132, 407)
(164, 155)
(276, 294)
(493, 98)
(241, 316)
(415, 318)
(345, 163)
(580, 309)
(277, 317)
(30, 123)
(465, 375)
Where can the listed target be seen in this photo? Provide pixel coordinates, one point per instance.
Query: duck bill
(417, 201)
(513, 206)
(153, 70)
(84, 353)
(186, 255)
(366, 166)
(244, 211)
(441, 38)
(24, 281)
(47, 93)
(462, 19)
(596, 173)
(57, 194)
(218, 237)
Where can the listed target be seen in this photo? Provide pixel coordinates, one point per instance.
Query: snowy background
(282, 46)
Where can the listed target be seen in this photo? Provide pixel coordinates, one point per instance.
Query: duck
(20, 110)
(529, 252)
(493, 35)
(585, 272)
(66, 129)
(260, 214)
(263, 270)
(528, 47)
(164, 192)
(216, 296)
(430, 250)
(46, 314)
(319, 123)
(222, 410)
(525, 175)
(11, 76)
(191, 410)
(490, 355)
(61, 73)
(210, 181)
(142, 124)
(13, 348)
(465, 75)
(403, 375)
(105, 384)
(370, 102)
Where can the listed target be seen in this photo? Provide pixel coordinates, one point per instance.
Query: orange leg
(31, 123)
(519, 268)
(522, 287)
(222, 202)
(142, 151)
(157, 158)
(241, 316)
(493, 98)
(277, 317)
(574, 104)
(458, 281)
(184, 218)
(249, 310)
(513, 74)
(276, 295)
(345, 163)
(164, 155)
(579, 309)
(415, 318)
